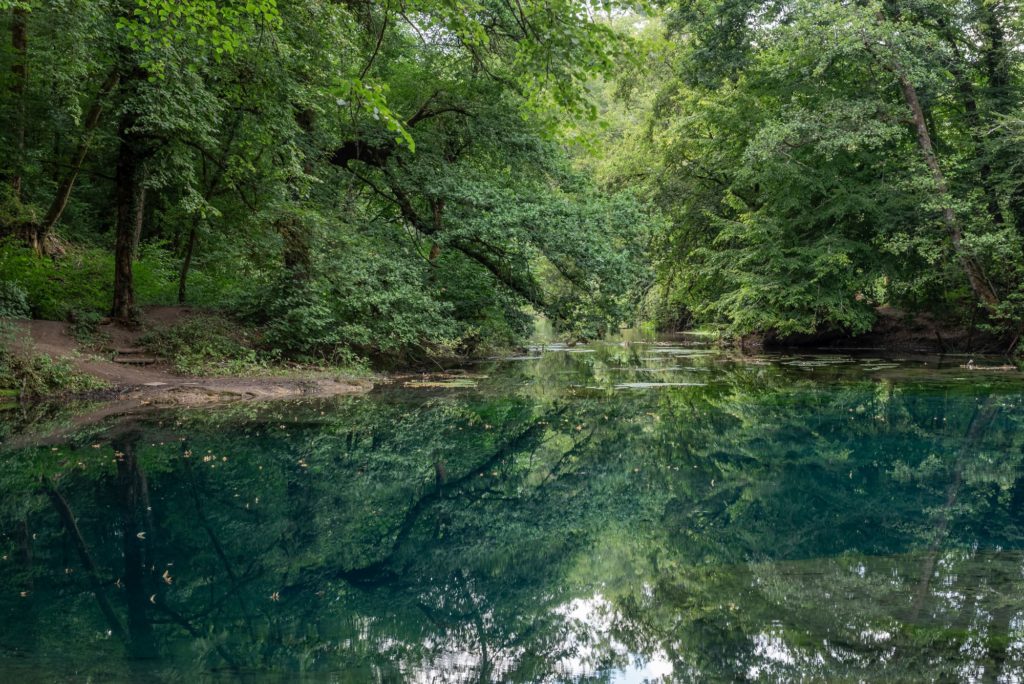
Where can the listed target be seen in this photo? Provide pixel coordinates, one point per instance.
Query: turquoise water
(624, 513)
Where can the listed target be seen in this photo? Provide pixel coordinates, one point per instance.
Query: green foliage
(85, 328)
(395, 533)
(370, 180)
(34, 375)
(205, 345)
(13, 211)
(392, 181)
(79, 281)
(55, 287)
(798, 196)
(362, 307)
(13, 300)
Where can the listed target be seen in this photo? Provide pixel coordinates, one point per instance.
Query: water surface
(627, 513)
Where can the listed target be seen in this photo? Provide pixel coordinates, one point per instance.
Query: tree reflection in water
(568, 519)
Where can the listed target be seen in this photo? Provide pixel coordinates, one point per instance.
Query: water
(631, 513)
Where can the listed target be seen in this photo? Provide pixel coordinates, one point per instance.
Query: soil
(157, 383)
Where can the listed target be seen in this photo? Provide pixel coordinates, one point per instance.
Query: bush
(37, 375)
(13, 300)
(85, 328)
(204, 345)
(82, 279)
(360, 308)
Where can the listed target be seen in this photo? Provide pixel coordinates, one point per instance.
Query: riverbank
(111, 362)
(191, 356)
(896, 332)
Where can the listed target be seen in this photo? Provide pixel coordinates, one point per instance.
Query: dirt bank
(155, 382)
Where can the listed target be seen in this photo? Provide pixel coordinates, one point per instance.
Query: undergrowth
(26, 373)
(209, 345)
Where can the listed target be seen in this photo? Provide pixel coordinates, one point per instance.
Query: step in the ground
(136, 360)
(131, 350)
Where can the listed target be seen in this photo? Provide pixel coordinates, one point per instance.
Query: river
(623, 512)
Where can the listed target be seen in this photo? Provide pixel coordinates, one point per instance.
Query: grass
(25, 373)
(213, 346)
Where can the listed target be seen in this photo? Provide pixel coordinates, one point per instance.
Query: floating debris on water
(818, 362)
(458, 383)
(683, 351)
(652, 385)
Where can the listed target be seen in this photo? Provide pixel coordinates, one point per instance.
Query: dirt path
(52, 338)
(158, 384)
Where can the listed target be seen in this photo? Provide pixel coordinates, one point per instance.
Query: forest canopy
(378, 177)
(821, 159)
(405, 178)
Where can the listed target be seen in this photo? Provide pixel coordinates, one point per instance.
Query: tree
(297, 152)
(808, 167)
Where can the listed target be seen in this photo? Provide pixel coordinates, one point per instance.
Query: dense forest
(401, 179)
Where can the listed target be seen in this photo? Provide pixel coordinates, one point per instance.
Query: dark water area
(621, 512)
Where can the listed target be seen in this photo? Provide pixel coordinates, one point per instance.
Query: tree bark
(193, 236)
(140, 216)
(996, 57)
(995, 62)
(969, 101)
(295, 238)
(975, 275)
(1016, 204)
(211, 189)
(19, 73)
(127, 197)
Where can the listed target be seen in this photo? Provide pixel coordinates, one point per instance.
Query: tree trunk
(193, 236)
(134, 529)
(296, 253)
(970, 104)
(127, 197)
(140, 216)
(19, 72)
(996, 57)
(296, 249)
(211, 189)
(1016, 204)
(67, 183)
(71, 527)
(975, 276)
(996, 62)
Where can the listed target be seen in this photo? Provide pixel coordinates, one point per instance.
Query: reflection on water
(634, 513)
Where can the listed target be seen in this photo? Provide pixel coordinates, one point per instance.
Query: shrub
(204, 345)
(37, 375)
(85, 328)
(13, 300)
(360, 309)
(82, 279)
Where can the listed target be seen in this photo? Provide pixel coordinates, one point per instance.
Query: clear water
(623, 513)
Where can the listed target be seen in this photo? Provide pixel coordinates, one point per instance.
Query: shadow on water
(613, 513)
